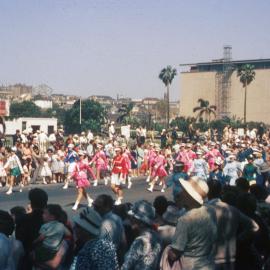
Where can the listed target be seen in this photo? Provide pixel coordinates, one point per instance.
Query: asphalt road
(66, 198)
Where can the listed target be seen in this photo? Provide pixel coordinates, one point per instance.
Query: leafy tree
(246, 75)
(125, 113)
(93, 117)
(24, 109)
(205, 110)
(167, 75)
(56, 112)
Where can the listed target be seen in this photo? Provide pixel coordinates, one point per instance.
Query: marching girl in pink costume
(152, 153)
(183, 157)
(159, 171)
(80, 177)
(190, 156)
(126, 167)
(101, 162)
(212, 155)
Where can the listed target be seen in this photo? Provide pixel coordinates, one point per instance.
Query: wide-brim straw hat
(196, 188)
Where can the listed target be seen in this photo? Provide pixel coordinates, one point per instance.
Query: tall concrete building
(218, 83)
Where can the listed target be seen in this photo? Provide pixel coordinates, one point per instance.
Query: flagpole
(80, 110)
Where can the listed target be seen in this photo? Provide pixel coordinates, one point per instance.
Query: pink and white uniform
(80, 174)
(100, 160)
(159, 167)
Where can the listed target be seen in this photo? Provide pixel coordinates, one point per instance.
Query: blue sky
(111, 47)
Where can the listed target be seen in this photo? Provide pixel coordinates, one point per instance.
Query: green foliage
(205, 110)
(93, 117)
(56, 112)
(24, 109)
(125, 113)
(246, 74)
(167, 75)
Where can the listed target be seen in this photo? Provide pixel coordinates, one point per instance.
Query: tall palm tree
(205, 110)
(125, 112)
(246, 74)
(167, 75)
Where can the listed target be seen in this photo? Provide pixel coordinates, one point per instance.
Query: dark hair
(259, 192)
(18, 212)
(247, 204)
(38, 198)
(55, 210)
(242, 183)
(160, 203)
(6, 223)
(215, 189)
(178, 167)
(103, 203)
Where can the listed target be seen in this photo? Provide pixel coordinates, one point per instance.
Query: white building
(48, 125)
(44, 104)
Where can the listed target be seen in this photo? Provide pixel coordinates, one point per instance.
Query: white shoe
(90, 202)
(160, 183)
(148, 179)
(44, 182)
(106, 181)
(118, 202)
(129, 184)
(54, 182)
(162, 190)
(75, 207)
(65, 186)
(150, 188)
(95, 183)
(9, 191)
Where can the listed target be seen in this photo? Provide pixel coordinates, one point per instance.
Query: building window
(50, 129)
(23, 125)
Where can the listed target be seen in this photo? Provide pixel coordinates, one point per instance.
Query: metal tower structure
(223, 83)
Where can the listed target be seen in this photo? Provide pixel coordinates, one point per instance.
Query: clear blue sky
(111, 47)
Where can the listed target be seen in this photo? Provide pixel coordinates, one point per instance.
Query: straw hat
(196, 188)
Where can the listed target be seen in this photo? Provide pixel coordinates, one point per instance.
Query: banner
(4, 108)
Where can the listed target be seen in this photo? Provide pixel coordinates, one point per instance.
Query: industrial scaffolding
(223, 84)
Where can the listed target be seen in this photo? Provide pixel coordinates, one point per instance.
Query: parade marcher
(101, 164)
(70, 159)
(232, 170)
(250, 171)
(200, 166)
(126, 168)
(80, 177)
(14, 165)
(159, 171)
(117, 166)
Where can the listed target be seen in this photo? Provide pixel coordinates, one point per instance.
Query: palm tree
(246, 74)
(205, 109)
(167, 75)
(125, 112)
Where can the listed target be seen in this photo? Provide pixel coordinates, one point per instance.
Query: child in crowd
(52, 232)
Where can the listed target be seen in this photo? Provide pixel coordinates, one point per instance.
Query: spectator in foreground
(145, 250)
(95, 253)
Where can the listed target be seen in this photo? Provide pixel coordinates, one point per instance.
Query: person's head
(118, 151)
(17, 213)
(52, 212)
(142, 215)
(259, 192)
(215, 189)
(87, 225)
(81, 155)
(194, 193)
(171, 215)
(38, 198)
(178, 167)
(230, 195)
(160, 203)
(6, 223)
(103, 204)
(242, 184)
(246, 203)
